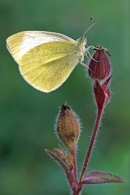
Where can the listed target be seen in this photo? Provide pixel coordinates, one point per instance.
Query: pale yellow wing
(45, 59)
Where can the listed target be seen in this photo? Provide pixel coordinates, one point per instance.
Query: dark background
(27, 116)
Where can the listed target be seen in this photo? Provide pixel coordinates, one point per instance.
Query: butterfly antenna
(90, 27)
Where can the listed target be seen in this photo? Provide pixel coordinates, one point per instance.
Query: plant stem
(91, 144)
(77, 190)
(75, 164)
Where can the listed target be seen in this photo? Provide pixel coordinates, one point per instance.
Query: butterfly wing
(45, 59)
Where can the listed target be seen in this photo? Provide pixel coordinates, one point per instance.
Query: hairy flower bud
(68, 127)
(99, 65)
(102, 93)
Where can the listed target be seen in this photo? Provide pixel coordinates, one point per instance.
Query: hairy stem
(91, 144)
(75, 164)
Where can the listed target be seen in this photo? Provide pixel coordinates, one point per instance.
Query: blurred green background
(27, 116)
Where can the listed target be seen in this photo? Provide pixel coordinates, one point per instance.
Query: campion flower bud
(68, 127)
(60, 153)
(69, 160)
(102, 93)
(99, 65)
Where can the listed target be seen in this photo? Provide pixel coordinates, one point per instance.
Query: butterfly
(46, 59)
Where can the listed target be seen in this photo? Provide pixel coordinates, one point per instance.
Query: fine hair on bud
(68, 127)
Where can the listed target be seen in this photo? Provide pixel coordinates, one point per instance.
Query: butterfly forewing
(45, 59)
(19, 43)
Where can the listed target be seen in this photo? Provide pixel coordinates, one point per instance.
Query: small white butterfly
(46, 59)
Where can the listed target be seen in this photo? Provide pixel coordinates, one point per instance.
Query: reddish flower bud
(102, 93)
(99, 65)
